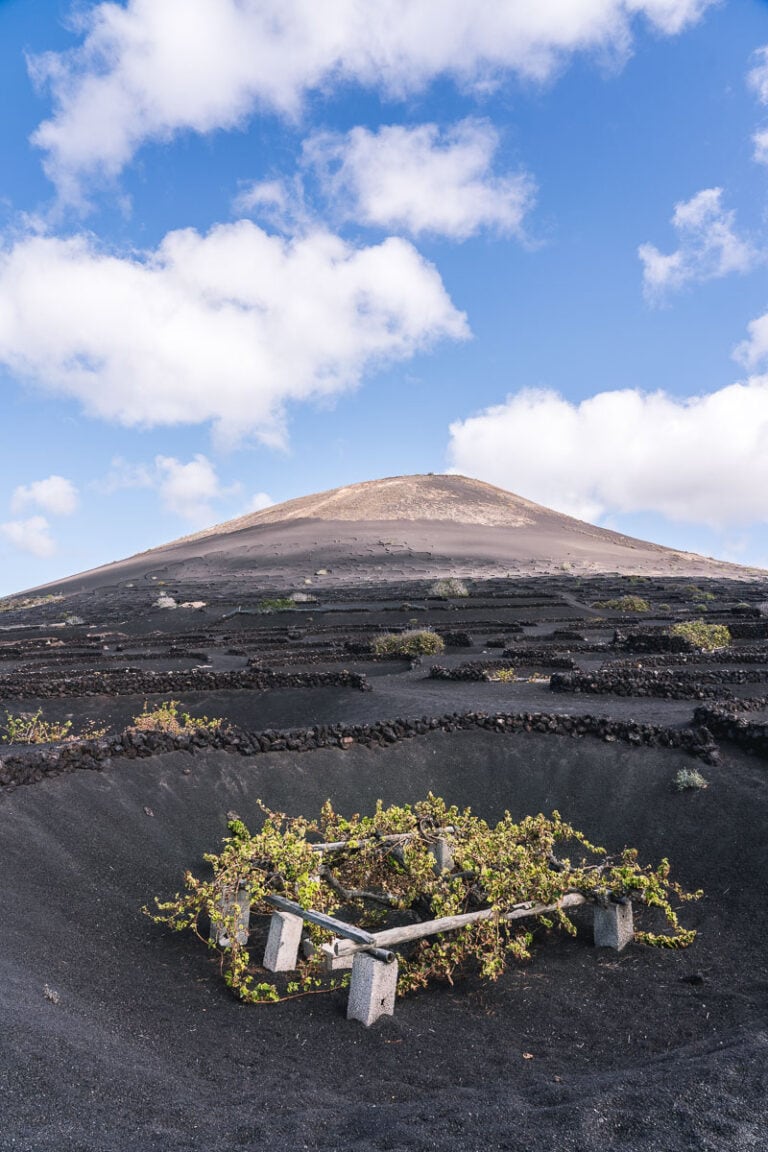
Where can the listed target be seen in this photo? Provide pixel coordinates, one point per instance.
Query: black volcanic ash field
(146, 1049)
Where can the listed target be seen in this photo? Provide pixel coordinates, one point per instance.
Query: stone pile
(470, 670)
(651, 641)
(456, 639)
(549, 656)
(748, 629)
(729, 725)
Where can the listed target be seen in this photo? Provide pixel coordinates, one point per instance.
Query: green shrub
(695, 593)
(165, 601)
(445, 589)
(625, 604)
(30, 728)
(280, 604)
(688, 780)
(165, 718)
(415, 642)
(17, 603)
(505, 675)
(707, 637)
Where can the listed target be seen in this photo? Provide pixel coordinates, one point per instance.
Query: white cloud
(270, 196)
(709, 246)
(55, 495)
(123, 474)
(757, 77)
(753, 351)
(702, 459)
(148, 69)
(280, 203)
(32, 535)
(228, 327)
(421, 180)
(188, 489)
(760, 141)
(258, 502)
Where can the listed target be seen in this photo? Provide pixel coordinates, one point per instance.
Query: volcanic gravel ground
(138, 1045)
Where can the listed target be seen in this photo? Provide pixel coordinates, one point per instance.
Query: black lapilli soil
(116, 1034)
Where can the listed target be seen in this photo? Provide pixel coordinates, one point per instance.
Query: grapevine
(381, 866)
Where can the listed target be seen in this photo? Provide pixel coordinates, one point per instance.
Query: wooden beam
(348, 931)
(389, 838)
(392, 936)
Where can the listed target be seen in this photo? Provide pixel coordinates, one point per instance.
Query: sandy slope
(405, 527)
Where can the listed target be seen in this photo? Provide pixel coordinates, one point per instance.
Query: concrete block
(242, 905)
(613, 925)
(282, 951)
(372, 989)
(334, 963)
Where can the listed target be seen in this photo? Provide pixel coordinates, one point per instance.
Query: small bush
(505, 675)
(445, 589)
(695, 593)
(625, 604)
(415, 642)
(30, 728)
(707, 637)
(17, 603)
(165, 718)
(164, 601)
(281, 604)
(302, 598)
(688, 780)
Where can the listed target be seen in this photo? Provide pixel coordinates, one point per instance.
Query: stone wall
(137, 681)
(670, 684)
(31, 765)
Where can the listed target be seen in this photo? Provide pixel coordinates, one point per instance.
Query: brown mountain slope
(399, 528)
(456, 498)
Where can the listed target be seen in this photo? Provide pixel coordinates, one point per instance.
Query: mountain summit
(397, 529)
(423, 497)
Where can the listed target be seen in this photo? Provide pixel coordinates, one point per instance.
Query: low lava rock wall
(35, 764)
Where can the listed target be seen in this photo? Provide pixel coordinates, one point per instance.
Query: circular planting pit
(137, 1033)
(119, 1035)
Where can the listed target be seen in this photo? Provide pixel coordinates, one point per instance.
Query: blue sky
(253, 249)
